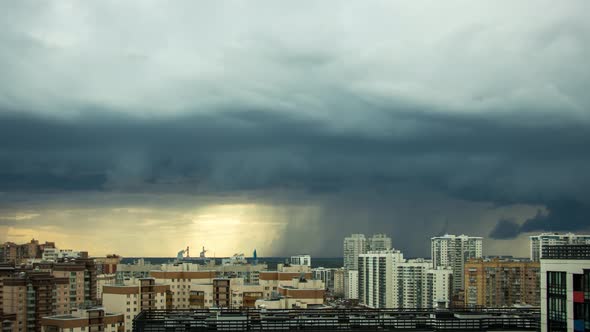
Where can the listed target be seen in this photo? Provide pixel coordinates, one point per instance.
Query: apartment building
(225, 293)
(29, 296)
(376, 284)
(387, 280)
(134, 296)
(354, 245)
(84, 320)
(271, 280)
(101, 281)
(107, 264)
(139, 269)
(181, 283)
(301, 260)
(538, 242)
(565, 285)
(339, 280)
(18, 253)
(379, 242)
(496, 283)
(420, 285)
(453, 251)
(353, 285)
(299, 292)
(81, 273)
(325, 275)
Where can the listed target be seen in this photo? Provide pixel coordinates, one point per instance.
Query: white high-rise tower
(453, 251)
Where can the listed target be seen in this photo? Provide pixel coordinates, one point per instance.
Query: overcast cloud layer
(290, 121)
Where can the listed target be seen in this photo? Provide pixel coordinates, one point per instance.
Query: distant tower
(255, 257)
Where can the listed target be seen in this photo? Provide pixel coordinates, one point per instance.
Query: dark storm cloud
(485, 158)
(505, 229)
(562, 215)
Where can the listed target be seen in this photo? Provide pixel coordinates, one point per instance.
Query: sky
(142, 127)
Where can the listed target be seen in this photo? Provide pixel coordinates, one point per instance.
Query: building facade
(375, 275)
(453, 251)
(84, 320)
(325, 275)
(538, 242)
(339, 280)
(379, 242)
(496, 283)
(387, 280)
(81, 273)
(419, 285)
(301, 260)
(31, 296)
(354, 245)
(565, 288)
(353, 285)
(133, 297)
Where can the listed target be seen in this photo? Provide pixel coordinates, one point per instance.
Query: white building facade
(376, 285)
(353, 285)
(354, 245)
(538, 242)
(453, 251)
(565, 283)
(301, 260)
(379, 242)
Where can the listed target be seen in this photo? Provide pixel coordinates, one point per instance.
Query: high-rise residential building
(353, 285)
(496, 283)
(387, 280)
(85, 320)
(301, 260)
(375, 278)
(453, 251)
(538, 242)
(565, 285)
(31, 295)
(354, 245)
(421, 286)
(81, 273)
(134, 296)
(379, 242)
(339, 280)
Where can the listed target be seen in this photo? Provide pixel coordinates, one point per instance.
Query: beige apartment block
(130, 299)
(84, 320)
(502, 283)
(225, 292)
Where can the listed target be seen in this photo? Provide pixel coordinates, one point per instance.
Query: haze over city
(141, 127)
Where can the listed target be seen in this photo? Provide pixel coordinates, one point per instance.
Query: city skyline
(144, 127)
